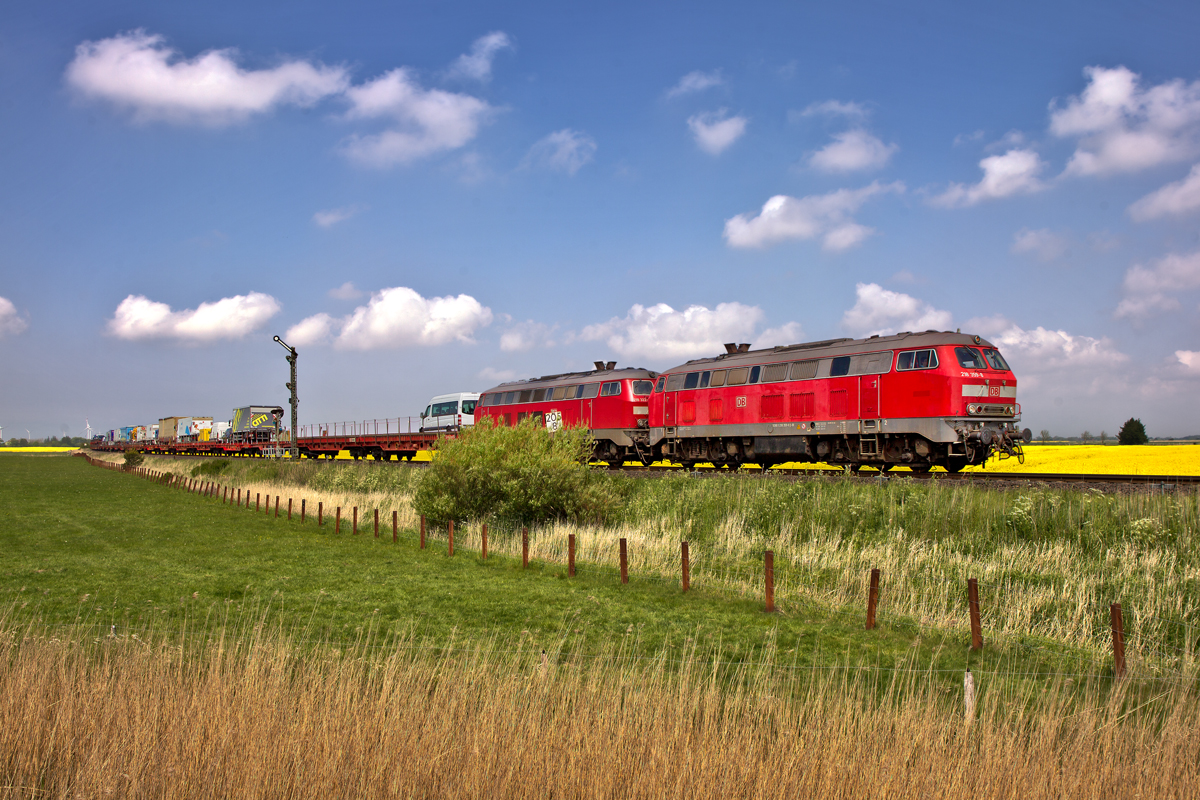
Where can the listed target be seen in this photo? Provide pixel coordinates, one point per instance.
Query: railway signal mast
(293, 449)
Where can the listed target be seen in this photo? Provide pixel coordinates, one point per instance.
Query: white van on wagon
(449, 412)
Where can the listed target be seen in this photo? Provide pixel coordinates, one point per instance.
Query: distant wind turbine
(87, 427)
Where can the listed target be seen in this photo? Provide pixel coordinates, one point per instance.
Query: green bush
(214, 466)
(522, 474)
(1132, 432)
(133, 459)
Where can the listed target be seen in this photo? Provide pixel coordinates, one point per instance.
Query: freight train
(913, 399)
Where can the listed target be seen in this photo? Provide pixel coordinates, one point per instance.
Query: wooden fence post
(302, 503)
(451, 551)
(624, 562)
(1118, 637)
(973, 603)
(337, 527)
(524, 548)
(685, 561)
(356, 520)
(320, 513)
(395, 530)
(872, 599)
(289, 509)
(377, 523)
(239, 502)
(483, 542)
(276, 506)
(257, 497)
(225, 496)
(570, 555)
(769, 570)
(422, 531)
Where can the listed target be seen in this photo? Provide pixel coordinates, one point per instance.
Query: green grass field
(83, 546)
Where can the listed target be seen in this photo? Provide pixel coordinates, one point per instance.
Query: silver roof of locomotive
(576, 377)
(830, 348)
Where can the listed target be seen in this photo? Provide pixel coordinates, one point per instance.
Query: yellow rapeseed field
(37, 449)
(1146, 459)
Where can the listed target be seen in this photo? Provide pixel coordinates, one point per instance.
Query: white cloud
(787, 333)
(497, 375)
(1123, 127)
(316, 329)
(1175, 198)
(879, 311)
(1065, 363)
(1015, 172)
(562, 151)
(138, 317)
(836, 108)
(967, 138)
(347, 291)
(429, 120)
(137, 71)
(1189, 359)
(397, 317)
(11, 322)
(332, 216)
(852, 150)
(715, 131)
(660, 333)
(1154, 288)
(783, 217)
(526, 336)
(477, 64)
(1044, 244)
(696, 82)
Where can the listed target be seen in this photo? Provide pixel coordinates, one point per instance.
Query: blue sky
(429, 197)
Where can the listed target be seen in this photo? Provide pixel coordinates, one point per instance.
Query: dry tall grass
(248, 715)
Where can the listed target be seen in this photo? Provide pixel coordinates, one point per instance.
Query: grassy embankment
(1048, 562)
(308, 664)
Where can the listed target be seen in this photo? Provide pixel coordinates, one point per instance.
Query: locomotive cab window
(704, 377)
(658, 387)
(590, 390)
(642, 388)
(692, 380)
(995, 360)
(610, 389)
(969, 358)
(675, 382)
(840, 366)
(917, 359)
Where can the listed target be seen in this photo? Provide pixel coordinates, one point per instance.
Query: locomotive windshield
(642, 388)
(995, 359)
(969, 358)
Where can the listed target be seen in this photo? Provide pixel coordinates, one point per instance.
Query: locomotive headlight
(972, 409)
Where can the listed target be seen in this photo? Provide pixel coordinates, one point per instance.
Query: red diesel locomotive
(613, 403)
(913, 399)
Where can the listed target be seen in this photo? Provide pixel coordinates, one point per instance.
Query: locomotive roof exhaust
(602, 366)
(744, 347)
(611, 365)
(730, 348)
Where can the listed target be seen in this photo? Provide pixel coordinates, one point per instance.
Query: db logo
(740, 402)
(993, 391)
